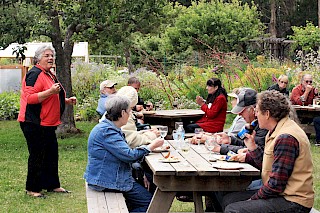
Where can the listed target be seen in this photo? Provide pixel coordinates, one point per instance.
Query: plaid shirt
(286, 150)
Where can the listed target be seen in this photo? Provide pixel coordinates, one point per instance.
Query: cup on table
(163, 131)
(198, 133)
(185, 148)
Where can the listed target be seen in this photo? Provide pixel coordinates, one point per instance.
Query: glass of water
(185, 148)
(211, 144)
(163, 131)
(198, 133)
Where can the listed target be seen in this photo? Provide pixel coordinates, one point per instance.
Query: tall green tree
(225, 26)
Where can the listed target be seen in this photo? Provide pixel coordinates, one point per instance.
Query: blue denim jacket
(110, 158)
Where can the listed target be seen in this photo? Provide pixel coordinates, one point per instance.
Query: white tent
(79, 50)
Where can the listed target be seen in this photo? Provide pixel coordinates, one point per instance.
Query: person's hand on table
(158, 142)
(224, 138)
(216, 149)
(239, 157)
(243, 150)
(156, 132)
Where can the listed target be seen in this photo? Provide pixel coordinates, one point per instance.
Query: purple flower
(274, 79)
(215, 69)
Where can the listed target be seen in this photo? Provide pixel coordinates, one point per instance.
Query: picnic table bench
(105, 202)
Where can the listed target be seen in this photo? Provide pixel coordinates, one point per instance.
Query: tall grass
(72, 162)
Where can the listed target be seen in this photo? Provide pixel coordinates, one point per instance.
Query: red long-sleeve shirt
(47, 112)
(214, 116)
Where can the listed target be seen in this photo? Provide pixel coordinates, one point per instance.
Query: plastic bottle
(181, 131)
(247, 128)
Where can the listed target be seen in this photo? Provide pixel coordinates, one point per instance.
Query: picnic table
(306, 114)
(193, 172)
(169, 117)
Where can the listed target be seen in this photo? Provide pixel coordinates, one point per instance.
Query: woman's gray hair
(114, 106)
(40, 51)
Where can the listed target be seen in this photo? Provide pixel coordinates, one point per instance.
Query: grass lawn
(72, 162)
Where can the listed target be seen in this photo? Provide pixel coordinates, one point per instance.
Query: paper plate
(158, 150)
(228, 166)
(169, 160)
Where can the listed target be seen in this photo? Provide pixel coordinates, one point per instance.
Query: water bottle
(247, 129)
(181, 131)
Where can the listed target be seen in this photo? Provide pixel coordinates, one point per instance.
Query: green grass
(72, 162)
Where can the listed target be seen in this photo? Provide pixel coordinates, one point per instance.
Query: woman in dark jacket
(281, 85)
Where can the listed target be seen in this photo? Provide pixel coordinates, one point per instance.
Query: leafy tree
(65, 21)
(308, 37)
(226, 26)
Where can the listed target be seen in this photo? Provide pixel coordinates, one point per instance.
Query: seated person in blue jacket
(106, 88)
(110, 157)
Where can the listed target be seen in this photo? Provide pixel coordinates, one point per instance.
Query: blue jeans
(316, 123)
(138, 198)
(238, 202)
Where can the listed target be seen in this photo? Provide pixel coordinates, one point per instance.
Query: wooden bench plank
(105, 202)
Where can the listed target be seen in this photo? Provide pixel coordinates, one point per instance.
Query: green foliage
(308, 37)
(225, 26)
(9, 105)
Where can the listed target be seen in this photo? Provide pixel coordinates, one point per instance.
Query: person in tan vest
(285, 163)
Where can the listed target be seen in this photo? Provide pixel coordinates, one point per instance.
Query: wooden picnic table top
(175, 113)
(306, 108)
(194, 173)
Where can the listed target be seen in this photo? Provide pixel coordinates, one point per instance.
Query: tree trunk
(127, 55)
(63, 62)
(273, 19)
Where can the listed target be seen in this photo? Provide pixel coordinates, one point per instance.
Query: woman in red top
(215, 108)
(42, 103)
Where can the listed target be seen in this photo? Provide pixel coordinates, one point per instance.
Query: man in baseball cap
(106, 88)
(246, 97)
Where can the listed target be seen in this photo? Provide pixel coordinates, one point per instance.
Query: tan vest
(299, 188)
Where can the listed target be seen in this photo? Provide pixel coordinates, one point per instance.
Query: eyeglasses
(308, 82)
(110, 87)
(283, 82)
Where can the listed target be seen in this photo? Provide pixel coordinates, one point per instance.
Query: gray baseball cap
(246, 97)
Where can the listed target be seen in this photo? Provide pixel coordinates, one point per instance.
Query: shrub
(9, 105)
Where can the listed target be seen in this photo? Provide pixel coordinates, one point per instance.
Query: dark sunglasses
(283, 82)
(308, 82)
(111, 87)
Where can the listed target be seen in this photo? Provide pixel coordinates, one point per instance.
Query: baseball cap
(232, 95)
(107, 83)
(246, 97)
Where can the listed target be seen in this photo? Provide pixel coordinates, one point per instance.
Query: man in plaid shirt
(285, 163)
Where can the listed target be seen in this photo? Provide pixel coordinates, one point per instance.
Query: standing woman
(215, 108)
(42, 103)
